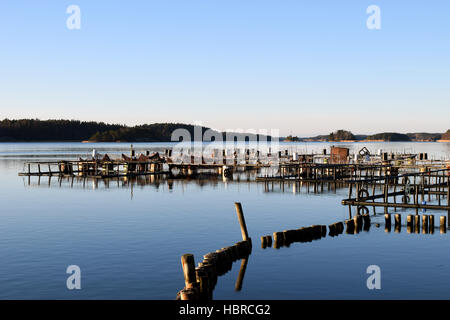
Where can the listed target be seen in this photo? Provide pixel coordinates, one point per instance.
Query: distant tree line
(51, 130)
(290, 138)
(340, 135)
(73, 130)
(446, 136)
(389, 136)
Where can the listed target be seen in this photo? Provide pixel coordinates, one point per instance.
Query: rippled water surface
(127, 236)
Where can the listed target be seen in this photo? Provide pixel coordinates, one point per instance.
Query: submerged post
(241, 218)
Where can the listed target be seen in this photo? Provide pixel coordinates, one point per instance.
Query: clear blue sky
(304, 67)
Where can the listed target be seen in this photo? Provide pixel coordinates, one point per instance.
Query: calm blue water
(128, 236)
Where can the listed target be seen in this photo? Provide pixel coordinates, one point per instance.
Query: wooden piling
(350, 226)
(241, 218)
(431, 222)
(443, 224)
(416, 223)
(332, 230)
(263, 242)
(203, 279)
(424, 223)
(387, 219)
(269, 241)
(187, 294)
(324, 231)
(409, 220)
(277, 239)
(398, 219)
(287, 238)
(188, 264)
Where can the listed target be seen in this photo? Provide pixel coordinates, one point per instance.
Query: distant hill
(162, 132)
(361, 136)
(423, 136)
(51, 130)
(340, 135)
(446, 136)
(290, 138)
(74, 130)
(389, 136)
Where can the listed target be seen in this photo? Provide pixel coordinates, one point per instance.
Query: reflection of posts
(241, 274)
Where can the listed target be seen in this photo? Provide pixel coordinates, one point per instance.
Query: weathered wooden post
(188, 264)
(416, 223)
(263, 242)
(443, 224)
(268, 241)
(409, 223)
(203, 279)
(431, 223)
(387, 219)
(424, 223)
(398, 219)
(287, 238)
(357, 220)
(350, 226)
(192, 287)
(277, 239)
(188, 294)
(409, 220)
(241, 218)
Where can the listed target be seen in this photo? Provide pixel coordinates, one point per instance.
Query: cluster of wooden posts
(357, 223)
(304, 234)
(413, 223)
(287, 237)
(200, 281)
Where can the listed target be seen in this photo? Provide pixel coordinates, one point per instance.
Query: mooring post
(443, 224)
(398, 219)
(241, 218)
(431, 223)
(416, 223)
(387, 219)
(188, 264)
(424, 223)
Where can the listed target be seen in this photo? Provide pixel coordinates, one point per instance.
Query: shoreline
(284, 141)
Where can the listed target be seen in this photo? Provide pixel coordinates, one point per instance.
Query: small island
(348, 136)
